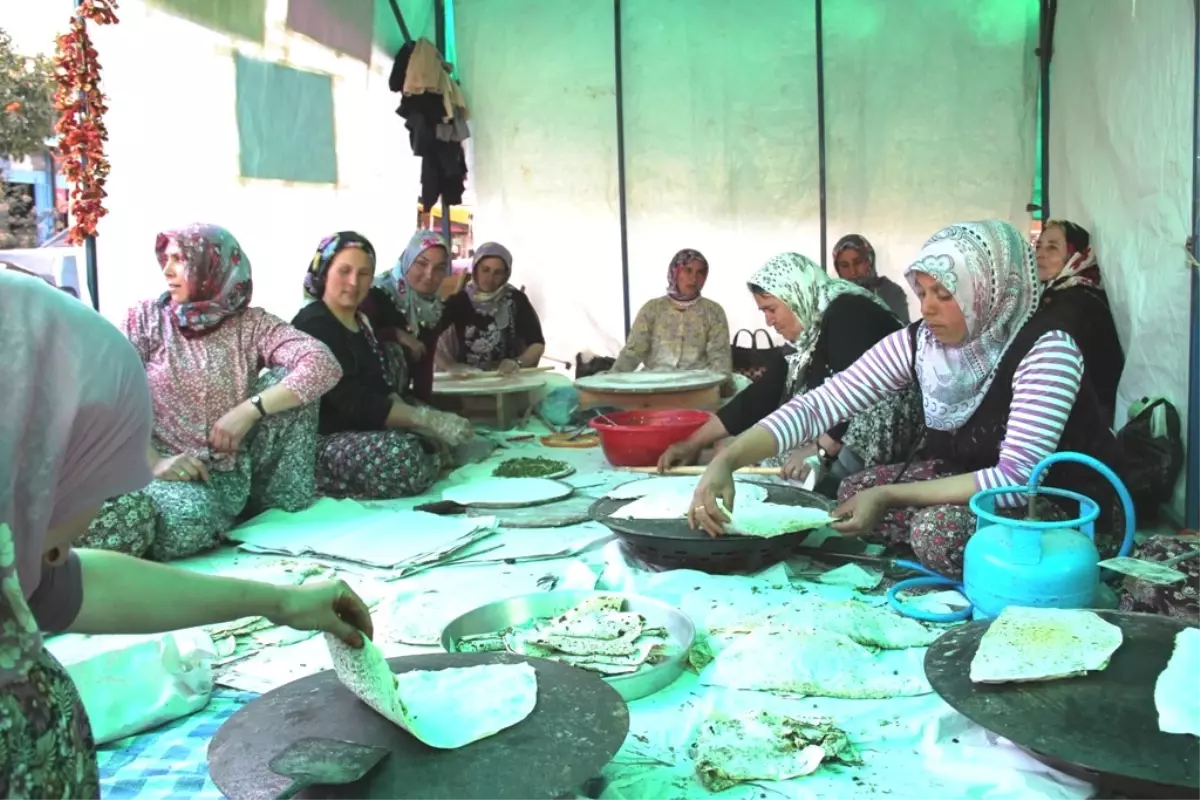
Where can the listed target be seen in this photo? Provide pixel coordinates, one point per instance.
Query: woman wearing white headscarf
(1002, 387)
(75, 431)
(830, 323)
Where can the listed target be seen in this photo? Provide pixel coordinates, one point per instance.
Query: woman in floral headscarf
(228, 442)
(373, 443)
(682, 330)
(76, 426)
(830, 323)
(1074, 292)
(504, 332)
(1002, 387)
(406, 308)
(854, 259)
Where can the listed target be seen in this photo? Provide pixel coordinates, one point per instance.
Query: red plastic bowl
(638, 438)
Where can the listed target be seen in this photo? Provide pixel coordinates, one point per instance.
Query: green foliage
(27, 114)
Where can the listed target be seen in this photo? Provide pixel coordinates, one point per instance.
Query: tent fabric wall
(931, 108)
(721, 141)
(1121, 106)
(931, 117)
(539, 79)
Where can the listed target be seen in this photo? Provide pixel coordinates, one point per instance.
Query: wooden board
(489, 386)
(579, 723)
(650, 382)
(708, 399)
(1102, 727)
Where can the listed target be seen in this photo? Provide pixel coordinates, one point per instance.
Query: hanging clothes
(435, 113)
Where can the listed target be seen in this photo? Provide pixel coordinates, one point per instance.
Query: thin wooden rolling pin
(700, 470)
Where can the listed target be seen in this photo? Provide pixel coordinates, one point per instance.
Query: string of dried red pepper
(81, 106)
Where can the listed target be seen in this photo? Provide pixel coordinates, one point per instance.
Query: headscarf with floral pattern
(330, 246)
(991, 271)
(217, 274)
(854, 241)
(1081, 268)
(420, 310)
(680, 260)
(807, 290)
(74, 433)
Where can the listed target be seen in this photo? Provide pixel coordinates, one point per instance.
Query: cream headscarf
(74, 432)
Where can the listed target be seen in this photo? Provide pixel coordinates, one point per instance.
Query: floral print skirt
(174, 519)
(376, 465)
(46, 744)
(1181, 599)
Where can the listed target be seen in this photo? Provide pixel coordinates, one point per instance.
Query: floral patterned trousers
(376, 465)
(46, 744)
(174, 519)
(1175, 599)
(936, 534)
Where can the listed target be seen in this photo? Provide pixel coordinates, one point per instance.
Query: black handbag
(753, 361)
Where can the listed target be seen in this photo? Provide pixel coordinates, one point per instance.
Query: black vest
(976, 445)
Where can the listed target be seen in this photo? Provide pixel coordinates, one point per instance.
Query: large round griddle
(671, 544)
(579, 723)
(1101, 727)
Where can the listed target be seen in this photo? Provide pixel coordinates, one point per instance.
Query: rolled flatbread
(447, 708)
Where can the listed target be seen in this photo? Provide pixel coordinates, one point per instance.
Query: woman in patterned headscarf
(1001, 389)
(503, 332)
(682, 330)
(407, 310)
(830, 323)
(227, 441)
(1074, 292)
(373, 443)
(854, 259)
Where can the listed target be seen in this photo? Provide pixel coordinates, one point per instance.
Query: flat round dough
(683, 484)
(507, 492)
(648, 381)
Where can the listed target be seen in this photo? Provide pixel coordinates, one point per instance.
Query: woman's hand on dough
(864, 509)
(715, 484)
(329, 606)
(508, 367)
(796, 468)
(680, 454)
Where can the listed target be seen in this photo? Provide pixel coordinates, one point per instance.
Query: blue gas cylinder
(1041, 564)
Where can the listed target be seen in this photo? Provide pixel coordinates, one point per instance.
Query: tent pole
(821, 174)
(1048, 10)
(439, 16)
(621, 205)
(1192, 474)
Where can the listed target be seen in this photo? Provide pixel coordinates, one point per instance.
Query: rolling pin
(700, 470)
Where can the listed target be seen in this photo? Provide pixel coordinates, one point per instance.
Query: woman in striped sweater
(1002, 387)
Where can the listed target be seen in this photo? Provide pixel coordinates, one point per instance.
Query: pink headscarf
(74, 431)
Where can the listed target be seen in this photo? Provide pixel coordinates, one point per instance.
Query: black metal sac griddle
(1101, 727)
(670, 544)
(576, 727)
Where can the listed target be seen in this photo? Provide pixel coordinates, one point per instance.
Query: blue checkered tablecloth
(170, 761)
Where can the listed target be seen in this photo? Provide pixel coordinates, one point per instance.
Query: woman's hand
(864, 509)
(329, 606)
(508, 367)
(716, 483)
(796, 468)
(680, 454)
(231, 429)
(180, 468)
(448, 428)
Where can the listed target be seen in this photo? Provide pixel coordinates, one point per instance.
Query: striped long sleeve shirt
(1044, 385)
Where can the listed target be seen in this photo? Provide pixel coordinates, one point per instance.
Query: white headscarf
(991, 271)
(74, 430)
(807, 290)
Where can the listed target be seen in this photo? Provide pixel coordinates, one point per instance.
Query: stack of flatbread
(765, 746)
(753, 515)
(447, 708)
(1040, 644)
(595, 635)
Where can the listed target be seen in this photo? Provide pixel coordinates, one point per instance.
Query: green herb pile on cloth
(528, 468)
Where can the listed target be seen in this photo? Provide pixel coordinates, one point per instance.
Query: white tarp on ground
(930, 114)
(1120, 164)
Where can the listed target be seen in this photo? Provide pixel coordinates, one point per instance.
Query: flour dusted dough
(446, 708)
(1175, 694)
(814, 663)
(1037, 644)
(773, 519)
(869, 626)
(507, 492)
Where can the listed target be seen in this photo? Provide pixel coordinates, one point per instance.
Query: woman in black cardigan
(372, 443)
(830, 323)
